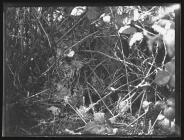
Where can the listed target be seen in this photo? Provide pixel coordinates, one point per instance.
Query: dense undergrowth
(89, 70)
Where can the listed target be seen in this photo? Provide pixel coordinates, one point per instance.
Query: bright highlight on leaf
(160, 117)
(135, 37)
(77, 11)
(145, 105)
(71, 53)
(127, 30)
(107, 19)
(136, 15)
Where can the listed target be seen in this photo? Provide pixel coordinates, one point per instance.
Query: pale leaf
(134, 38)
(77, 11)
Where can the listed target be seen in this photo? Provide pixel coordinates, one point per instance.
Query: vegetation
(89, 70)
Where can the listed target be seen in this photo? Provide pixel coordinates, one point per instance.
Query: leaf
(77, 11)
(162, 78)
(99, 117)
(134, 38)
(136, 15)
(119, 10)
(159, 29)
(160, 117)
(165, 23)
(127, 30)
(169, 40)
(71, 53)
(170, 67)
(55, 110)
(145, 105)
(107, 18)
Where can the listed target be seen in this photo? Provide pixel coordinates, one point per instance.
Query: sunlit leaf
(136, 15)
(164, 23)
(107, 18)
(71, 53)
(160, 117)
(77, 11)
(120, 10)
(127, 30)
(134, 38)
(159, 29)
(169, 40)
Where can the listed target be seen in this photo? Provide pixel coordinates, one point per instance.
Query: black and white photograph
(91, 70)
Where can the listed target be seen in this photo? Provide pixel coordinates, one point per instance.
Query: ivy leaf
(162, 78)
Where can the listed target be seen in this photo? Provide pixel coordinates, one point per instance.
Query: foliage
(88, 70)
